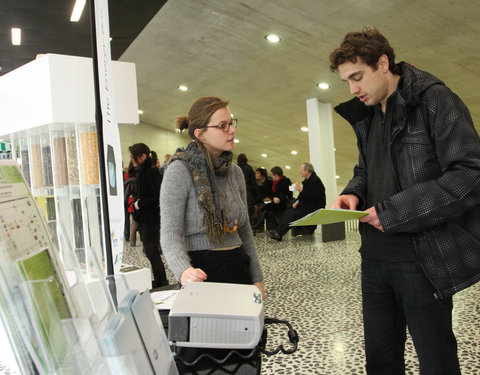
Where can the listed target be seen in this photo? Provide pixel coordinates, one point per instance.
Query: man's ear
(383, 63)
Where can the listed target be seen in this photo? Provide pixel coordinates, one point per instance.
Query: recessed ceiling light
(287, 167)
(323, 85)
(236, 140)
(272, 38)
(16, 36)
(334, 149)
(293, 152)
(140, 112)
(182, 88)
(304, 129)
(264, 155)
(337, 176)
(77, 10)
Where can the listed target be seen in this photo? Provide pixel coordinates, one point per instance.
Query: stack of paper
(328, 216)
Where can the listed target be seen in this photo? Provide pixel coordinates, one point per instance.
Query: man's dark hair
(277, 170)
(242, 158)
(367, 45)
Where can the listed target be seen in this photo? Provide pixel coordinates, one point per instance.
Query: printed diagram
(22, 226)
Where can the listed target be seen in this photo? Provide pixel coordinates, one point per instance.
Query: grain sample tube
(89, 155)
(60, 161)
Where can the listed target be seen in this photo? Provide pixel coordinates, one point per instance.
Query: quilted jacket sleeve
(428, 202)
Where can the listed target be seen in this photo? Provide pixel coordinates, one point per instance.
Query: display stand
(52, 274)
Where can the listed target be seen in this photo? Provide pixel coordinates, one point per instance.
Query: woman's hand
(192, 274)
(261, 286)
(276, 200)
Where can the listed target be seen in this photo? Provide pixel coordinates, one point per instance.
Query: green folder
(328, 216)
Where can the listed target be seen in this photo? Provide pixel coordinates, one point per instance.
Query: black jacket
(249, 175)
(312, 196)
(283, 193)
(147, 192)
(263, 191)
(436, 160)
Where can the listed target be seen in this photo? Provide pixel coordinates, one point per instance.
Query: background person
(263, 188)
(250, 183)
(129, 188)
(279, 199)
(418, 176)
(311, 198)
(146, 210)
(205, 232)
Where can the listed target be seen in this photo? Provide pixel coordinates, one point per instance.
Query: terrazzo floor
(316, 287)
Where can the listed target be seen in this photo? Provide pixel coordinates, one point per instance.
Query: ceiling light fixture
(16, 36)
(287, 167)
(323, 86)
(182, 88)
(77, 10)
(293, 152)
(264, 155)
(236, 140)
(337, 176)
(304, 129)
(140, 112)
(272, 38)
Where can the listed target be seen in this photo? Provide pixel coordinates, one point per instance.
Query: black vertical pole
(101, 155)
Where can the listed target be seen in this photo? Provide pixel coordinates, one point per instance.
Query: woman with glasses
(205, 230)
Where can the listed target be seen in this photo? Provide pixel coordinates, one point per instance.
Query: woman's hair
(154, 158)
(242, 158)
(277, 170)
(131, 170)
(368, 45)
(262, 171)
(199, 114)
(138, 149)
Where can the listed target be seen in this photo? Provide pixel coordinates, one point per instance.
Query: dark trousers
(126, 228)
(150, 236)
(223, 266)
(290, 215)
(397, 295)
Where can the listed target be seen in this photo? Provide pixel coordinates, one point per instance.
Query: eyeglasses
(225, 126)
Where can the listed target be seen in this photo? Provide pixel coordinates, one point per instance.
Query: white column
(320, 139)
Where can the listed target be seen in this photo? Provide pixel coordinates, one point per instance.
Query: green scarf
(204, 182)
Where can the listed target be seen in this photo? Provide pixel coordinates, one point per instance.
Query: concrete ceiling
(217, 47)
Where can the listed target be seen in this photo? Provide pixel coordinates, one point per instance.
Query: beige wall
(159, 140)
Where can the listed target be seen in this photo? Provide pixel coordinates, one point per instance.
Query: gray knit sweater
(182, 226)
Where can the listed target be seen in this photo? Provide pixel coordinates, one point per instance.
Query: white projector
(216, 315)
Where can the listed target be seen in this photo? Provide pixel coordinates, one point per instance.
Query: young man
(418, 176)
(311, 198)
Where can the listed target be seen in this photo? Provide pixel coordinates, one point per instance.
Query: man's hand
(295, 205)
(276, 200)
(347, 202)
(372, 218)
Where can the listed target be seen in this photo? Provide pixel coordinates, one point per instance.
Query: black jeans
(150, 236)
(223, 266)
(290, 215)
(396, 295)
